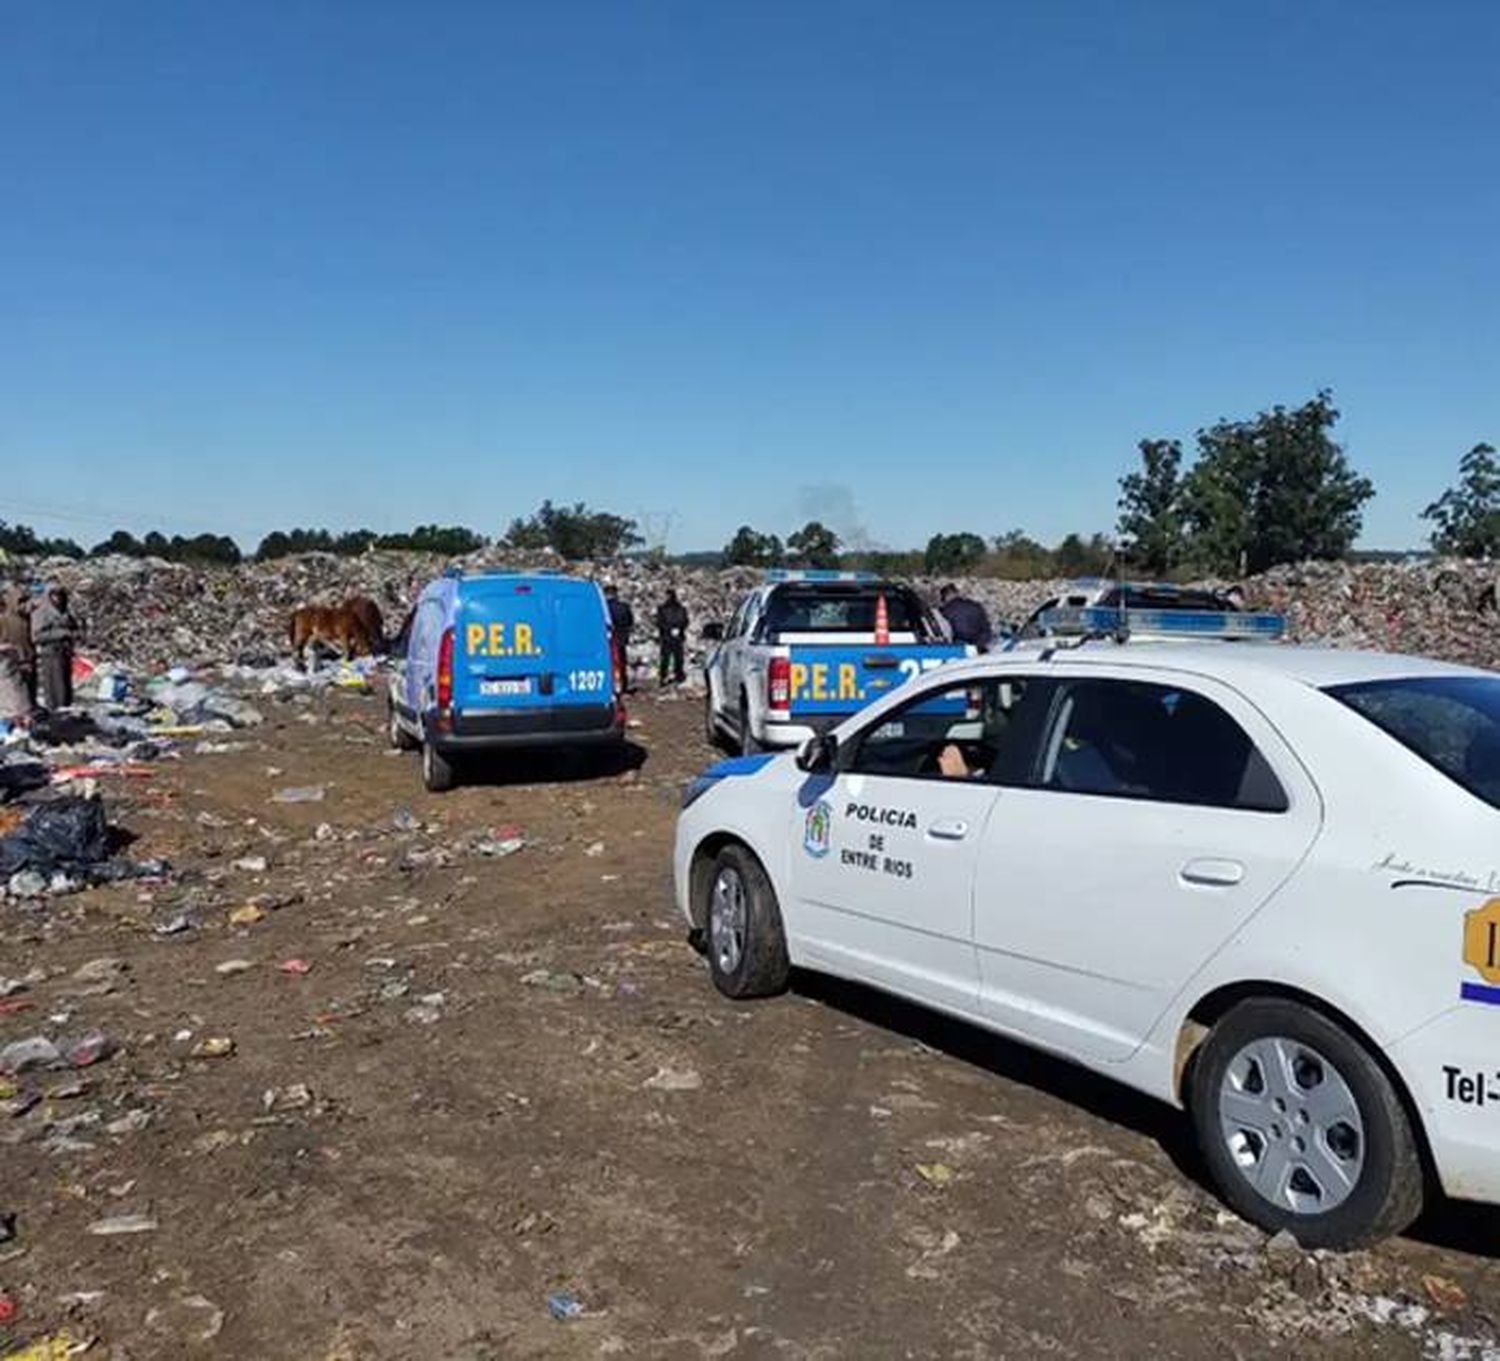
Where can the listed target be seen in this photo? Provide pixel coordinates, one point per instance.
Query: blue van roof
(459, 574)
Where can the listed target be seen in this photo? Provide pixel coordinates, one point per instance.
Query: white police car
(1258, 881)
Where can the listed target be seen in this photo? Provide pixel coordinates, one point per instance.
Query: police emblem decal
(817, 834)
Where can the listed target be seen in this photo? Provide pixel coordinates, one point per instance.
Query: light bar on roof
(816, 574)
(1107, 620)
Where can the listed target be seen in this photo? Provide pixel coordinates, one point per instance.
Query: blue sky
(913, 267)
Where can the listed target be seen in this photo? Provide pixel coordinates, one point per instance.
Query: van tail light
(779, 683)
(617, 657)
(445, 671)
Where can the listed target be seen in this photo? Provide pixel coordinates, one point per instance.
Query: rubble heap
(146, 614)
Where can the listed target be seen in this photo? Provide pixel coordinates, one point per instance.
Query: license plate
(505, 687)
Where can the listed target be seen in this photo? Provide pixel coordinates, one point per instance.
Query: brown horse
(354, 628)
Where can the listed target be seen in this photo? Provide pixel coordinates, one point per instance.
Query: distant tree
(204, 548)
(281, 544)
(1018, 556)
(448, 540)
(354, 542)
(1076, 556)
(574, 532)
(1466, 518)
(1150, 507)
(953, 554)
(1271, 490)
(751, 549)
(24, 541)
(814, 545)
(121, 542)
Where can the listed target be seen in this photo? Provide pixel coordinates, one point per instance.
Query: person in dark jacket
(622, 620)
(54, 630)
(967, 620)
(671, 632)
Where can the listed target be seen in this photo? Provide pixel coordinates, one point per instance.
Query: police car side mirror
(713, 633)
(819, 754)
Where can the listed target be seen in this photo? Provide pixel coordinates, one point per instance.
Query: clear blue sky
(911, 266)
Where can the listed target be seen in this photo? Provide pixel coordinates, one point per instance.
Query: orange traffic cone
(882, 621)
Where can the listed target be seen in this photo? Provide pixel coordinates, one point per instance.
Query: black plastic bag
(68, 834)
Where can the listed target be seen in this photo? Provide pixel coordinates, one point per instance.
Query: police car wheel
(1302, 1129)
(746, 943)
(438, 773)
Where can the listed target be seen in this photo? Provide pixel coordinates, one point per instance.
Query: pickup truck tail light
(445, 671)
(779, 684)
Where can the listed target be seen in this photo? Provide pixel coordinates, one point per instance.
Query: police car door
(884, 876)
(1162, 812)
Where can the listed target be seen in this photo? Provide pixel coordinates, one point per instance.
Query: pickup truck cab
(807, 649)
(495, 661)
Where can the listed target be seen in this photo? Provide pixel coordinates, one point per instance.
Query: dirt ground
(505, 1076)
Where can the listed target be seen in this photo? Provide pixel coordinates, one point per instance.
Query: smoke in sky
(833, 503)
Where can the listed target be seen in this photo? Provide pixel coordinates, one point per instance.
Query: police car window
(961, 732)
(1131, 739)
(826, 611)
(1451, 722)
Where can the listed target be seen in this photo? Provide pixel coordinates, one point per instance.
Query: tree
(1467, 517)
(814, 545)
(574, 532)
(121, 542)
(449, 540)
(24, 541)
(1076, 556)
(751, 549)
(953, 554)
(1271, 490)
(1150, 509)
(1020, 557)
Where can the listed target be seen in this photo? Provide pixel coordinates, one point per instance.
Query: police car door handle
(1210, 873)
(948, 829)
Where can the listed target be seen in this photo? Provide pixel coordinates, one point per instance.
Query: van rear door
(531, 643)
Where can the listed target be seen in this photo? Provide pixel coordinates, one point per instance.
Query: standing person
(967, 619)
(54, 630)
(17, 656)
(671, 630)
(622, 620)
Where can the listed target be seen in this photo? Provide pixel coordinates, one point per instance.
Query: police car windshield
(821, 609)
(1451, 722)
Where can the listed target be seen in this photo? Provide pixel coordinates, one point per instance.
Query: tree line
(1274, 488)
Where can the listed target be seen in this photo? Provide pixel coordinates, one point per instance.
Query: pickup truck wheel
(746, 940)
(438, 773)
(1302, 1129)
(750, 745)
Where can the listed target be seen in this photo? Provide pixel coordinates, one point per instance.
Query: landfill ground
(505, 1076)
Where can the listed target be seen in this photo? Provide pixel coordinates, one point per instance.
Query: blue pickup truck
(807, 649)
(495, 661)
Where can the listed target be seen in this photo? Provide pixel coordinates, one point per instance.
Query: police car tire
(438, 773)
(1391, 1186)
(763, 968)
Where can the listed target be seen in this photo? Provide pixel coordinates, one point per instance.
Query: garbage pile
(62, 844)
(146, 615)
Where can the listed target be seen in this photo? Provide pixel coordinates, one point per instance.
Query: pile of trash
(146, 615)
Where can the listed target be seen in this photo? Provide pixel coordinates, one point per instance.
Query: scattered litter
(247, 915)
(311, 793)
(935, 1174)
(298, 968)
(251, 864)
(118, 1225)
(234, 966)
(214, 1047)
(564, 1306)
(674, 1080)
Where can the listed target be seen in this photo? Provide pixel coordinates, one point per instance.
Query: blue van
(500, 660)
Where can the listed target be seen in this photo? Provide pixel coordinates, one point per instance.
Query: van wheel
(438, 773)
(1302, 1129)
(401, 740)
(746, 940)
